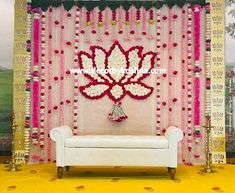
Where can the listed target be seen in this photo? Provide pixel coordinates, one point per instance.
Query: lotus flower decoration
(116, 72)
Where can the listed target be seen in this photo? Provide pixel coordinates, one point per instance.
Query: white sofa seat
(117, 141)
(116, 150)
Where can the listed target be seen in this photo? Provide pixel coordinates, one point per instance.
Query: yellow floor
(41, 179)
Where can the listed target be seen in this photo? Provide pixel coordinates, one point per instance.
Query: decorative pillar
(217, 81)
(19, 90)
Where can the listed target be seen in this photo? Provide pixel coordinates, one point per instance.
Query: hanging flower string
(120, 20)
(83, 21)
(132, 20)
(207, 58)
(107, 17)
(189, 84)
(62, 45)
(183, 82)
(144, 21)
(151, 22)
(170, 65)
(76, 89)
(127, 23)
(197, 69)
(88, 25)
(35, 74)
(94, 21)
(49, 75)
(158, 31)
(138, 21)
(42, 86)
(114, 23)
(27, 83)
(100, 25)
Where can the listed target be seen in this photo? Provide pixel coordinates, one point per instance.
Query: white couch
(115, 150)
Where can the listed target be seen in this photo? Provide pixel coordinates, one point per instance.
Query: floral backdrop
(172, 39)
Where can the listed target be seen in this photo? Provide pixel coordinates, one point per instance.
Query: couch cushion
(118, 141)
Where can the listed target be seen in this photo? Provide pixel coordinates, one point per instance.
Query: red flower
(175, 44)
(68, 43)
(175, 16)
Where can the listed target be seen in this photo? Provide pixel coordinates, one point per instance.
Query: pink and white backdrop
(177, 38)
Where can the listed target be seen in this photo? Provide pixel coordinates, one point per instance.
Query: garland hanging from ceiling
(102, 4)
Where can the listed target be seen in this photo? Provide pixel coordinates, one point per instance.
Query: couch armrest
(59, 135)
(174, 134)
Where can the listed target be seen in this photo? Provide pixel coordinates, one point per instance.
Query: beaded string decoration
(114, 23)
(183, 79)
(42, 86)
(150, 26)
(49, 75)
(132, 20)
(120, 20)
(170, 65)
(208, 58)
(83, 20)
(107, 17)
(144, 21)
(35, 74)
(88, 26)
(158, 42)
(28, 82)
(76, 89)
(100, 25)
(62, 45)
(189, 83)
(138, 22)
(127, 23)
(197, 69)
(94, 20)
(174, 57)
(164, 50)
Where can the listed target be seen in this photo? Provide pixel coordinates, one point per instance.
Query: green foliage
(230, 28)
(6, 100)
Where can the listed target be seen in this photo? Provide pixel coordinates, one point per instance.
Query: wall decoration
(116, 84)
(74, 36)
(217, 85)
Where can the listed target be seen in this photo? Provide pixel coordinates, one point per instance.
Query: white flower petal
(99, 59)
(134, 60)
(87, 65)
(116, 91)
(94, 90)
(138, 90)
(146, 65)
(117, 60)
